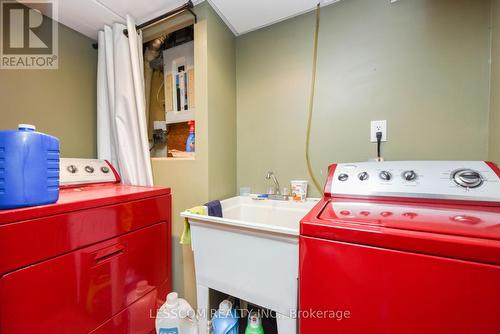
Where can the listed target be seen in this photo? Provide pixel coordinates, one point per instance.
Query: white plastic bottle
(176, 316)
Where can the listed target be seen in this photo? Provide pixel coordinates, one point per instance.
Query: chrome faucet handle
(270, 175)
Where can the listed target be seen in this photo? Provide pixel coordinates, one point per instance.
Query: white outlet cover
(377, 126)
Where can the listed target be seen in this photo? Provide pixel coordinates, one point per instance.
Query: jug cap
(225, 307)
(254, 320)
(26, 127)
(172, 299)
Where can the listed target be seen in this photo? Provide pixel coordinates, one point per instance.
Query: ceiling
(243, 16)
(89, 16)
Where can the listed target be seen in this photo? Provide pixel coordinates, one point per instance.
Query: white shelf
(179, 116)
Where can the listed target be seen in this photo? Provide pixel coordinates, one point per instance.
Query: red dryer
(97, 261)
(403, 248)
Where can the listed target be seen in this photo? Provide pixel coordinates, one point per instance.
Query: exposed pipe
(151, 53)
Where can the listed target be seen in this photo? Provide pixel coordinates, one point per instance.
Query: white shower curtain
(122, 136)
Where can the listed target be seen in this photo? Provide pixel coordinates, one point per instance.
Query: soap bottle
(225, 319)
(191, 138)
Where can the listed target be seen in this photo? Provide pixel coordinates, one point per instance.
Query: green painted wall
(212, 174)
(222, 109)
(423, 65)
(188, 178)
(60, 102)
(494, 145)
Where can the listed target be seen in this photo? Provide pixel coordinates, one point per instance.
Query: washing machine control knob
(104, 169)
(385, 175)
(363, 176)
(343, 177)
(72, 169)
(89, 169)
(409, 175)
(467, 178)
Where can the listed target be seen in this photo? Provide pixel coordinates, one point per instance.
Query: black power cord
(379, 141)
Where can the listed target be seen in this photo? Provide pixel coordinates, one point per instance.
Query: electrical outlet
(378, 126)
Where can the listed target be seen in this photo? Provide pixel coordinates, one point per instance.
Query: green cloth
(186, 234)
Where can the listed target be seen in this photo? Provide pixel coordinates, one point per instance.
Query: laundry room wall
(494, 143)
(422, 65)
(59, 102)
(212, 173)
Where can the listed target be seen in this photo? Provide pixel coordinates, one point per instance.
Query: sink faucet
(270, 175)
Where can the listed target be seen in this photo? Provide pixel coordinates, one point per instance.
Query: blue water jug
(225, 320)
(29, 168)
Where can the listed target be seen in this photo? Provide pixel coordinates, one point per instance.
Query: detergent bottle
(254, 324)
(176, 316)
(225, 320)
(190, 142)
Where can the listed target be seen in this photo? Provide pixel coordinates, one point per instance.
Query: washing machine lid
(83, 197)
(446, 220)
(469, 233)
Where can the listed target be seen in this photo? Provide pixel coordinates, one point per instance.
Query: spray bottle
(191, 138)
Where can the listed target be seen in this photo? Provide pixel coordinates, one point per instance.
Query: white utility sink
(252, 253)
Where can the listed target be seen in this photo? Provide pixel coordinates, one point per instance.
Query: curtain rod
(187, 7)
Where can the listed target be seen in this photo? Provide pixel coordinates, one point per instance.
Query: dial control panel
(385, 175)
(456, 180)
(89, 169)
(409, 175)
(85, 171)
(343, 177)
(72, 169)
(363, 176)
(468, 178)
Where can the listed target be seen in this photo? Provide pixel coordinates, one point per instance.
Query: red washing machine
(403, 248)
(97, 261)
